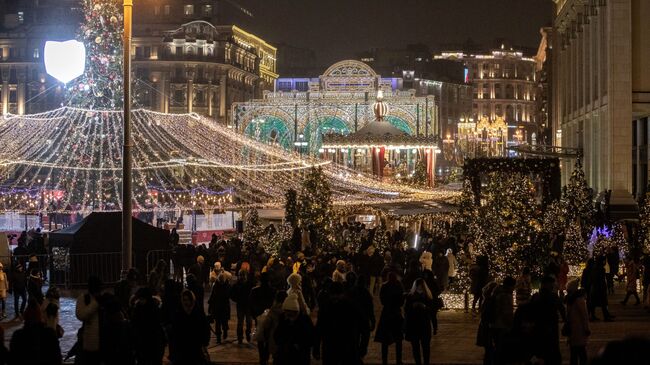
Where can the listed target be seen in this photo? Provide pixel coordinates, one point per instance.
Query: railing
(548, 151)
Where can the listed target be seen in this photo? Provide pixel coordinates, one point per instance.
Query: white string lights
(69, 160)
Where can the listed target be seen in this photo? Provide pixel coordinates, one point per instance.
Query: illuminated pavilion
(340, 101)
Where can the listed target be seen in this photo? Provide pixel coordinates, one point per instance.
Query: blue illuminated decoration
(324, 125)
(270, 129)
(399, 123)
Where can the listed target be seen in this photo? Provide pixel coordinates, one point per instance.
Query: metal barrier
(156, 255)
(74, 269)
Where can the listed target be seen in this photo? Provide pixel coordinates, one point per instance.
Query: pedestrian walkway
(454, 343)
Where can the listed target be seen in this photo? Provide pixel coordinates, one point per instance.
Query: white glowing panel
(65, 61)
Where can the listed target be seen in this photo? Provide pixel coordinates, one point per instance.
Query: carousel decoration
(383, 150)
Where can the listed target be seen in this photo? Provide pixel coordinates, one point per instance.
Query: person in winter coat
(441, 270)
(4, 288)
(585, 283)
(546, 306)
(157, 278)
(577, 323)
(240, 294)
(484, 334)
(295, 287)
(341, 347)
(503, 315)
(453, 265)
(358, 294)
(267, 323)
(479, 276)
(598, 291)
(523, 287)
(426, 259)
(376, 266)
(116, 334)
(190, 333)
(50, 310)
(18, 284)
(87, 311)
(339, 274)
(294, 335)
(417, 313)
(214, 273)
(261, 297)
(149, 336)
(34, 344)
(198, 270)
(389, 328)
(35, 286)
(219, 306)
(631, 277)
(197, 288)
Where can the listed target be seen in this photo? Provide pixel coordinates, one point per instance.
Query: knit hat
(200, 259)
(294, 280)
(291, 303)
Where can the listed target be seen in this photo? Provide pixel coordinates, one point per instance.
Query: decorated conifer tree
(420, 176)
(101, 86)
(575, 249)
(507, 224)
(291, 207)
(578, 197)
(644, 222)
(315, 205)
(380, 240)
(466, 214)
(253, 230)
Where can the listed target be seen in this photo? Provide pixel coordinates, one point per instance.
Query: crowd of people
(301, 304)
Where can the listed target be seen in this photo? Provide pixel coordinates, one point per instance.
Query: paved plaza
(454, 343)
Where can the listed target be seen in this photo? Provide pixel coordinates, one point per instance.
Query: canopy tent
(93, 246)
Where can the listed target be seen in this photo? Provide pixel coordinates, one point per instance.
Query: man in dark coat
(547, 305)
(598, 290)
(341, 328)
(261, 297)
(294, 335)
(34, 344)
(219, 306)
(358, 294)
(190, 333)
(240, 294)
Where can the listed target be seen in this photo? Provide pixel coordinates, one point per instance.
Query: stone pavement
(454, 343)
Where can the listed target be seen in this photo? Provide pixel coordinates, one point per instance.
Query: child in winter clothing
(295, 287)
(4, 288)
(338, 276)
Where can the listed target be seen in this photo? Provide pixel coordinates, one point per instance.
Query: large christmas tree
(575, 249)
(315, 205)
(101, 86)
(291, 207)
(507, 224)
(644, 222)
(253, 230)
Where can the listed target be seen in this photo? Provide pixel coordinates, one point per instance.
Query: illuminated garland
(72, 157)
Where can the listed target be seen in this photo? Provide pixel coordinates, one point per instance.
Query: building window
(498, 110)
(199, 51)
(284, 85)
(179, 96)
(21, 17)
(188, 10)
(146, 52)
(168, 9)
(207, 10)
(13, 96)
(179, 51)
(302, 85)
(156, 10)
(497, 91)
(37, 53)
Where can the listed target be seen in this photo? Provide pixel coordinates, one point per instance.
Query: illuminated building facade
(302, 110)
(601, 91)
(503, 85)
(182, 62)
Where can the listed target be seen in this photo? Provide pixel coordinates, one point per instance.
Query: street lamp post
(127, 209)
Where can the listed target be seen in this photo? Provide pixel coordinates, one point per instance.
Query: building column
(222, 96)
(209, 96)
(190, 90)
(5, 96)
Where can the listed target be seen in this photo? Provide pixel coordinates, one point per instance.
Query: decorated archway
(400, 124)
(314, 131)
(270, 129)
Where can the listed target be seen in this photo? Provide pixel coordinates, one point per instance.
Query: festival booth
(93, 246)
(383, 150)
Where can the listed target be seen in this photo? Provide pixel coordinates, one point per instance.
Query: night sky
(338, 29)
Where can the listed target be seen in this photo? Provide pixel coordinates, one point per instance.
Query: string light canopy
(69, 160)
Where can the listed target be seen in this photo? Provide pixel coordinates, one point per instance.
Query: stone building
(503, 85)
(602, 91)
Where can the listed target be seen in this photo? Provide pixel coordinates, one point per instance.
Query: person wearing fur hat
(214, 273)
(295, 287)
(294, 335)
(4, 288)
(338, 276)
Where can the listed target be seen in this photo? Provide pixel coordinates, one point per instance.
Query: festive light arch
(69, 160)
